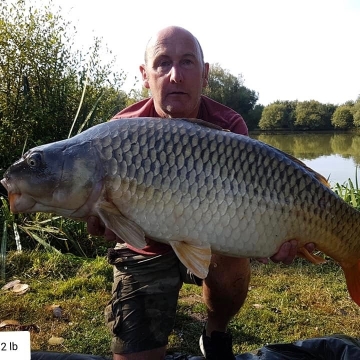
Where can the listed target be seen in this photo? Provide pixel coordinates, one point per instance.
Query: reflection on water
(336, 156)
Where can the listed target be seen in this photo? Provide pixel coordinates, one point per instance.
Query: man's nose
(176, 75)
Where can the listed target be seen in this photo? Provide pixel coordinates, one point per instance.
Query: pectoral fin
(195, 258)
(302, 252)
(124, 228)
(352, 275)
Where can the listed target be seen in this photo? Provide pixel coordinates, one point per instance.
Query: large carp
(191, 185)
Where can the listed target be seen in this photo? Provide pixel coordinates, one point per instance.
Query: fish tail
(352, 276)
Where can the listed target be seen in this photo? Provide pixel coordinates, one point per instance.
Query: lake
(334, 155)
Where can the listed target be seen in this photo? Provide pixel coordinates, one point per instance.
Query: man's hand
(287, 253)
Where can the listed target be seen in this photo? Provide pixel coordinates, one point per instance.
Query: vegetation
(79, 287)
(229, 90)
(280, 115)
(343, 117)
(42, 80)
(310, 115)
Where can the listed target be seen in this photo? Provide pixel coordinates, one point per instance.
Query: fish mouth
(18, 202)
(9, 187)
(4, 183)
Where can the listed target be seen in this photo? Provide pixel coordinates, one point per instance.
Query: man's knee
(225, 288)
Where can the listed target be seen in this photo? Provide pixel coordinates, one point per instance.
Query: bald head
(172, 33)
(175, 72)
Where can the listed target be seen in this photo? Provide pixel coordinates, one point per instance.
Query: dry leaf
(14, 325)
(56, 340)
(10, 322)
(20, 289)
(258, 306)
(10, 284)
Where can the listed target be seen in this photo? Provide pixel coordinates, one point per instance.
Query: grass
(81, 287)
(290, 303)
(349, 192)
(285, 303)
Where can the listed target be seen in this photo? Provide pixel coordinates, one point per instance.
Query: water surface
(335, 156)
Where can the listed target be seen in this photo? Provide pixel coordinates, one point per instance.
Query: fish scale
(182, 184)
(191, 185)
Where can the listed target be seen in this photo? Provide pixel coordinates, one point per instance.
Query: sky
(284, 49)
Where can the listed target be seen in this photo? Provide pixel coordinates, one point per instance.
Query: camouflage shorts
(141, 312)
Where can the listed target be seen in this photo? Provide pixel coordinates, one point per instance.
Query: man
(147, 282)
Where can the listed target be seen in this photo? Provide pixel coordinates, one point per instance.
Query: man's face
(175, 73)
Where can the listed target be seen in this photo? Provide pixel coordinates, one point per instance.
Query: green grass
(285, 303)
(81, 287)
(349, 192)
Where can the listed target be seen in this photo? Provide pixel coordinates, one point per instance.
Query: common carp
(192, 185)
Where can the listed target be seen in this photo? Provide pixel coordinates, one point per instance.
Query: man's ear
(206, 75)
(144, 76)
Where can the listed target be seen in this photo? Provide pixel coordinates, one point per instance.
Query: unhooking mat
(336, 347)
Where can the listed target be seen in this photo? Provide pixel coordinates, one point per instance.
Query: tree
(329, 111)
(273, 116)
(356, 112)
(136, 95)
(42, 80)
(342, 117)
(356, 118)
(229, 90)
(279, 114)
(253, 117)
(310, 115)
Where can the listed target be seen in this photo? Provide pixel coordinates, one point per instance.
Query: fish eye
(34, 160)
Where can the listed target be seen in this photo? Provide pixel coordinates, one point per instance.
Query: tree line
(310, 115)
(50, 90)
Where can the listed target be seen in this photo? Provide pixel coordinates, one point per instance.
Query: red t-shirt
(210, 111)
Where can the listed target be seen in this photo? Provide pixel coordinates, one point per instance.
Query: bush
(42, 80)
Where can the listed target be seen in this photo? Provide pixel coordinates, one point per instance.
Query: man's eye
(187, 63)
(164, 63)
